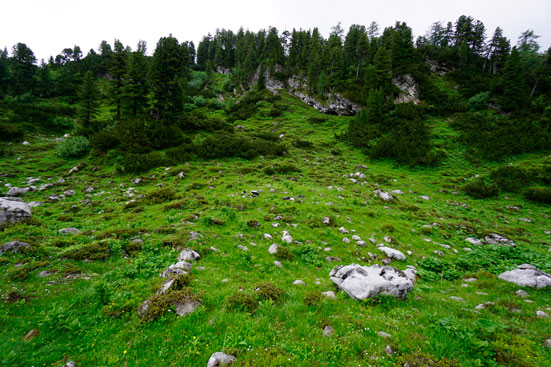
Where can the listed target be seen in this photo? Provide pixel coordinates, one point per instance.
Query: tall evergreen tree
(23, 69)
(167, 74)
(117, 72)
(512, 83)
(135, 90)
(89, 106)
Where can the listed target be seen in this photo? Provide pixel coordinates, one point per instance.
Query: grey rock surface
(527, 276)
(220, 359)
(13, 210)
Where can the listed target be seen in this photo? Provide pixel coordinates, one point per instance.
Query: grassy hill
(81, 293)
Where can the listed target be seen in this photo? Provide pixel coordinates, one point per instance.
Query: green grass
(92, 318)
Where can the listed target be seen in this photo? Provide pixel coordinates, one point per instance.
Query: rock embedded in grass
(527, 275)
(392, 253)
(497, 239)
(188, 255)
(70, 230)
(362, 282)
(385, 196)
(13, 210)
(220, 359)
(14, 246)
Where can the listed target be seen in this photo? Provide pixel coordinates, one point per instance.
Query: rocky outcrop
(527, 275)
(385, 196)
(335, 105)
(408, 87)
(13, 210)
(362, 282)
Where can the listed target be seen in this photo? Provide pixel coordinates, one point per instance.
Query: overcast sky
(48, 26)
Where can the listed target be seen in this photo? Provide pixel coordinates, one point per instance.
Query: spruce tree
(117, 72)
(89, 106)
(512, 83)
(135, 90)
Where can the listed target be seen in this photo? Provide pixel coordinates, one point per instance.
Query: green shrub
(312, 299)
(93, 251)
(301, 143)
(479, 189)
(240, 301)
(104, 140)
(73, 147)
(137, 163)
(539, 194)
(479, 101)
(199, 101)
(62, 123)
(216, 104)
(159, 304)
(281, 168)
(511, 178)
(161, 195)
(283, 253)
(269, 291)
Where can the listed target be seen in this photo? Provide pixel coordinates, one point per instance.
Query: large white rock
(286, 237)
(188, 255)
(527, 276)
(393, 253)
(385, 196)
(13, 210)
(220, 359)
(362, 282)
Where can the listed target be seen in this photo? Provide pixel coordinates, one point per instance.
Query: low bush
(62, 123)
(539, 194)
(312, 299)
(93, 251)
(281, 169)
(74, 147)
(104, 140)
(269, 291)
(159, 304)
(240, 301)
(479, 102)
(137, 163)
(161, 195)
(283, 253)
(479, 189)
(511, 178)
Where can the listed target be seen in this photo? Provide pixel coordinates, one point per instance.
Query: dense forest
(123, 99)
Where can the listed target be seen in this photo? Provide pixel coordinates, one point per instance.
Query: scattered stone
(470, 280)
(220, 359)
(70, 363)
(332, 258)
(89, 190)
(361, 282)
(522, 294)
(424, 197)
(527, 220)
(439, 253)
(484, 305)
(385, 196)
(183, 309)
(329, 294)
(26, 143)
(373, 241)
(194, 236)
(457, 299)
(273, 248)
(180, 175)
(346, 240)
(242, 248)
(298, 282)
(286, 237)
(541, 314)
(268, 236)
(328, 331)
(70, 230)
(69, 193)
(392, 253)
(397, 192)
(361, 243)
(356, 237)
(474, 241)
(547, 343)
(73, 170)
(181, 267)
(188, 255)
(387, 239)
(14, 246)
(278, 264)
(497, 239)
(384, 335)
(343, 230)
(32, 334)
(45, 186)
(388, 350)
(527, 276)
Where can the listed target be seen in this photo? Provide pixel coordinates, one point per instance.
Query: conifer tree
(117, 72)
(89, 106)
(135, 90)
(512, 83)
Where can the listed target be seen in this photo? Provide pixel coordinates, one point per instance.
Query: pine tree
(167, 73)
(512, 83)
(135, 90)
(89, 106)
(117, 72)
(383, 68)
(23, 69)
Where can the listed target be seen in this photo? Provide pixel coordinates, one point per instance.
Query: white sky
(48, 26)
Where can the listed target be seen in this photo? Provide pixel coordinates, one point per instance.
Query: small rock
(328, 331)
(298, 282)
(242, 248)
(384, 335)
(541, 314)
(385, 196)
(457, 299)
(470, 280)
(356, 237)
(188, 255)
(388, 350)
(220, 359)
(361, 243)
(273, 248)
(424, 197)
(346, 240)
(286, 237)
(484, 305)
(343, 230)
(69, 231)
(70, 363)
(268, 236)
(31, 334)
(183, 309)
(329, 294)
(278, 264)
(547, 343)
(521, 293)
(474, 241)
(14, 246)
(392, 253)
(69, 193)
